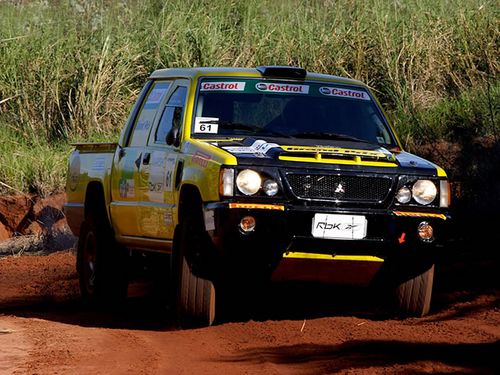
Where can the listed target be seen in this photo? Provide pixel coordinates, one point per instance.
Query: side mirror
(173, 137)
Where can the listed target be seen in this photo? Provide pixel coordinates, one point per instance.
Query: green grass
(31, 165)
(472, 113)
(70, 70)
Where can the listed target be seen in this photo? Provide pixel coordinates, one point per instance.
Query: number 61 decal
(208, 125)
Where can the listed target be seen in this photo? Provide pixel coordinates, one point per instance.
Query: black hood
(326, 154)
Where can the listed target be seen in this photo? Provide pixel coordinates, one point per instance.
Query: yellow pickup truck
(247, 176)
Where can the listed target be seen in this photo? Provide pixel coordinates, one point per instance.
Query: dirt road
(44, 329)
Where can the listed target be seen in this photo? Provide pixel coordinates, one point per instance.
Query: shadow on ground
(471, 358)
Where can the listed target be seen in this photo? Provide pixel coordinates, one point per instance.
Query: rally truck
(243, 176)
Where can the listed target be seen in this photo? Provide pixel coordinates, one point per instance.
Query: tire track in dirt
(57, 348)
(51, 332)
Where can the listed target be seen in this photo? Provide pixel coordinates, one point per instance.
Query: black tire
(101, 265)
(413, 296)
(195, 295)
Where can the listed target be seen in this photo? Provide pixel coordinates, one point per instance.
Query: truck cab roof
(275, 72)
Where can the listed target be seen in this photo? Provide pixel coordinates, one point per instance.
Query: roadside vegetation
(70, 69)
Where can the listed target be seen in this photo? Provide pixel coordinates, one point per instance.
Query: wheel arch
(189, 199)
(95, 202)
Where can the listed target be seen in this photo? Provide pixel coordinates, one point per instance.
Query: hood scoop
(251, 147)
(337, 155)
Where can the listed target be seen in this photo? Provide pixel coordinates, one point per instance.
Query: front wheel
(413, 296)
(195, 297)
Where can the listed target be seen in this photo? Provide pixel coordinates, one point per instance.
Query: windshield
(257, 107)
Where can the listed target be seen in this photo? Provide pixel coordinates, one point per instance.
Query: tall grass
(70, 69)
(31, 165)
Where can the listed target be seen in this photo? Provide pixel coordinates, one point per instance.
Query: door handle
(121, 153)
(146, 158)
(138, 161)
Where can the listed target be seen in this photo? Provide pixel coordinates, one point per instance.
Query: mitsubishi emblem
(339, 189)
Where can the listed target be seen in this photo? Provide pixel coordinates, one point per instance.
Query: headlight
(248, 182)
(404, 195)
(424, 191)
(270, 187)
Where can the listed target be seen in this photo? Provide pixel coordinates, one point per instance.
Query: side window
(171, 117)
(147, 113)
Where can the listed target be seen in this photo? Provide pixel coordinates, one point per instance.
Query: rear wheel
(101, 264)
(413, 296)
(195, 297)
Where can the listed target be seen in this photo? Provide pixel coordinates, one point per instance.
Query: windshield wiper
(248, 127)
(334, 136)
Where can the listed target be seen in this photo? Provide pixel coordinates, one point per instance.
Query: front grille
(341, 188)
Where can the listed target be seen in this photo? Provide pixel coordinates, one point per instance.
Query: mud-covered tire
(413, 296)
(195, 297)
(101, 265)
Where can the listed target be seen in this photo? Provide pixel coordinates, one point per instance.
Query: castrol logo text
(223, 86)
(344, 93)
(282, 88)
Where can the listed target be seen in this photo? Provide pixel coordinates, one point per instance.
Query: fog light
(247, 224)
(425, 232)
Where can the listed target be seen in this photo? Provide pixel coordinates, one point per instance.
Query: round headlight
(270, 187)
(424, 191)
(403, 195)
(248, 182)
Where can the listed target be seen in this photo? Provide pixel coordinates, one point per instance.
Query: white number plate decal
(206, 125)
(345, 227)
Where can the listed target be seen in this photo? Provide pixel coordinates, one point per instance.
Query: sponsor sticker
(168, 218)
(127, 188)
(222, 86)
(344, 93)
(239, 150)
(99, 164)
(259, 147)
(156, 95)
(169, 173)
(263, 147)
(143, 125)
(209, 220)
(201, 158)
(74, 173)
(344, 227)
(207, 125)
(282, 88)
(156, 182)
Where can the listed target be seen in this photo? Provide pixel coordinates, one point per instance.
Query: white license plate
(345, 227)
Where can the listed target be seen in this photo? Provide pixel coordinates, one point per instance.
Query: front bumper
(282, 236)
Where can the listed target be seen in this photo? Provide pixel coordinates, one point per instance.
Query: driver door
(125, 182)
(159, 168)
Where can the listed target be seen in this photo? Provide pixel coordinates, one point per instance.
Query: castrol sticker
(344, 93)
(282, 88)
(223, 86)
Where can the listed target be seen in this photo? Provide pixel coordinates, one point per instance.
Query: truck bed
(88, 163)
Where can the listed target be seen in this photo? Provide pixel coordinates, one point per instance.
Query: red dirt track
(44, 329)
